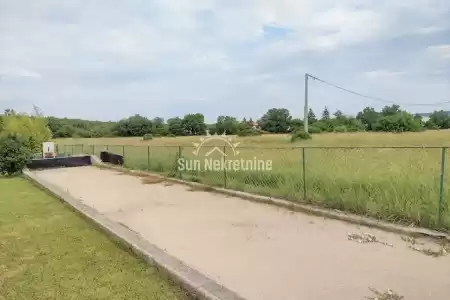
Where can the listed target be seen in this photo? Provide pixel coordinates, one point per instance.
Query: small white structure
(48, 149)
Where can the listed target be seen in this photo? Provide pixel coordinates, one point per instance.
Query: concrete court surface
(257, 250)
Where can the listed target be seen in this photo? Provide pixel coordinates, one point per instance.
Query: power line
(374, 98)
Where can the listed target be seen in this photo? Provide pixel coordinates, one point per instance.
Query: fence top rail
(268, 148)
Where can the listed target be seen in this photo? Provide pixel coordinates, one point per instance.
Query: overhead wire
(374, 98)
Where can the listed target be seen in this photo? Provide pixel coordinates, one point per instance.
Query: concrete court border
(196, 284)
(304, 208)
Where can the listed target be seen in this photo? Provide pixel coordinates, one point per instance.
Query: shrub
(340, 128)
(399, 122)
(353, 129)
(160, 131)
(314, 129)
(300, 135)
(324, 126)
(147, 137)
(32, 130)
(212, 130)
(431, 125)
(248, 132)
(14, 154)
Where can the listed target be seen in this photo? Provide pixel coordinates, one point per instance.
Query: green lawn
(47, 251)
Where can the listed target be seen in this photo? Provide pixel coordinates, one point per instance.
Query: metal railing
(397, 184)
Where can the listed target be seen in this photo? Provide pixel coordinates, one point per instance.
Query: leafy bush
(300, 135)
(314, 129)
(248, 132)
(32, 130)
(400, 122)
(147, 137)
(160, 131)
(212, 130)
(341, 128)
(324, 126)
(14, 154)
(354, 129)
(431, 125)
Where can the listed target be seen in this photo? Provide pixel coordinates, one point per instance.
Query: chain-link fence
(398, 184)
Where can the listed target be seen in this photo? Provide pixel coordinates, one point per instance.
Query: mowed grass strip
(47, 251)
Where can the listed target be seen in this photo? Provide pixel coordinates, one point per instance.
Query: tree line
(276, 120)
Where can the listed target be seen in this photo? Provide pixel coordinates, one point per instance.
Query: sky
(109, 59)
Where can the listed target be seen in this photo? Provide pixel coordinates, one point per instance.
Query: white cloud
(430, 30)
(170, 52)
(377, 74)
(18, 73)
(443, 51)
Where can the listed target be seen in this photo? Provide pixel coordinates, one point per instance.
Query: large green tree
(175, 126)
(194, 124)
(227, 124)
(134, 126)
(276, 120)
(311, 117)
(390, 110)
(368, 116)
(440, 119)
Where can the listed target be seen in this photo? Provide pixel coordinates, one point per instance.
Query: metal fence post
(224, 167)
(441, 187)
(304, 173)
(180, 152)
(123, 151)
(73, 150)
(57, 149)
(93, 149)
(148, 158)
(82, 148)
(107, 147)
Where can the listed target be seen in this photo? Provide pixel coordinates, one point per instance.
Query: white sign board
(48, 147)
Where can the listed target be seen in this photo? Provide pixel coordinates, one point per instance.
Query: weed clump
(147, 137)
(300, 135)
(249, 132)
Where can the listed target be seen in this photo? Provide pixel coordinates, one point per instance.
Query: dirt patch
(194, 188)
(152, 180)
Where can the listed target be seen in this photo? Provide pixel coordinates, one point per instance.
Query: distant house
(253, 124)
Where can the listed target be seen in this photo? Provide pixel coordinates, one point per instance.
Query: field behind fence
(398, 184)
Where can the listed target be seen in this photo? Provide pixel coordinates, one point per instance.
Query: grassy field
(49, 252)
(398, 184)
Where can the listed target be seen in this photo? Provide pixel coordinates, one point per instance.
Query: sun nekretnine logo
(223, 157)
(228, 140)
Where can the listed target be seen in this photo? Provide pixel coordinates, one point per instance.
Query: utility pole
(305, 117)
